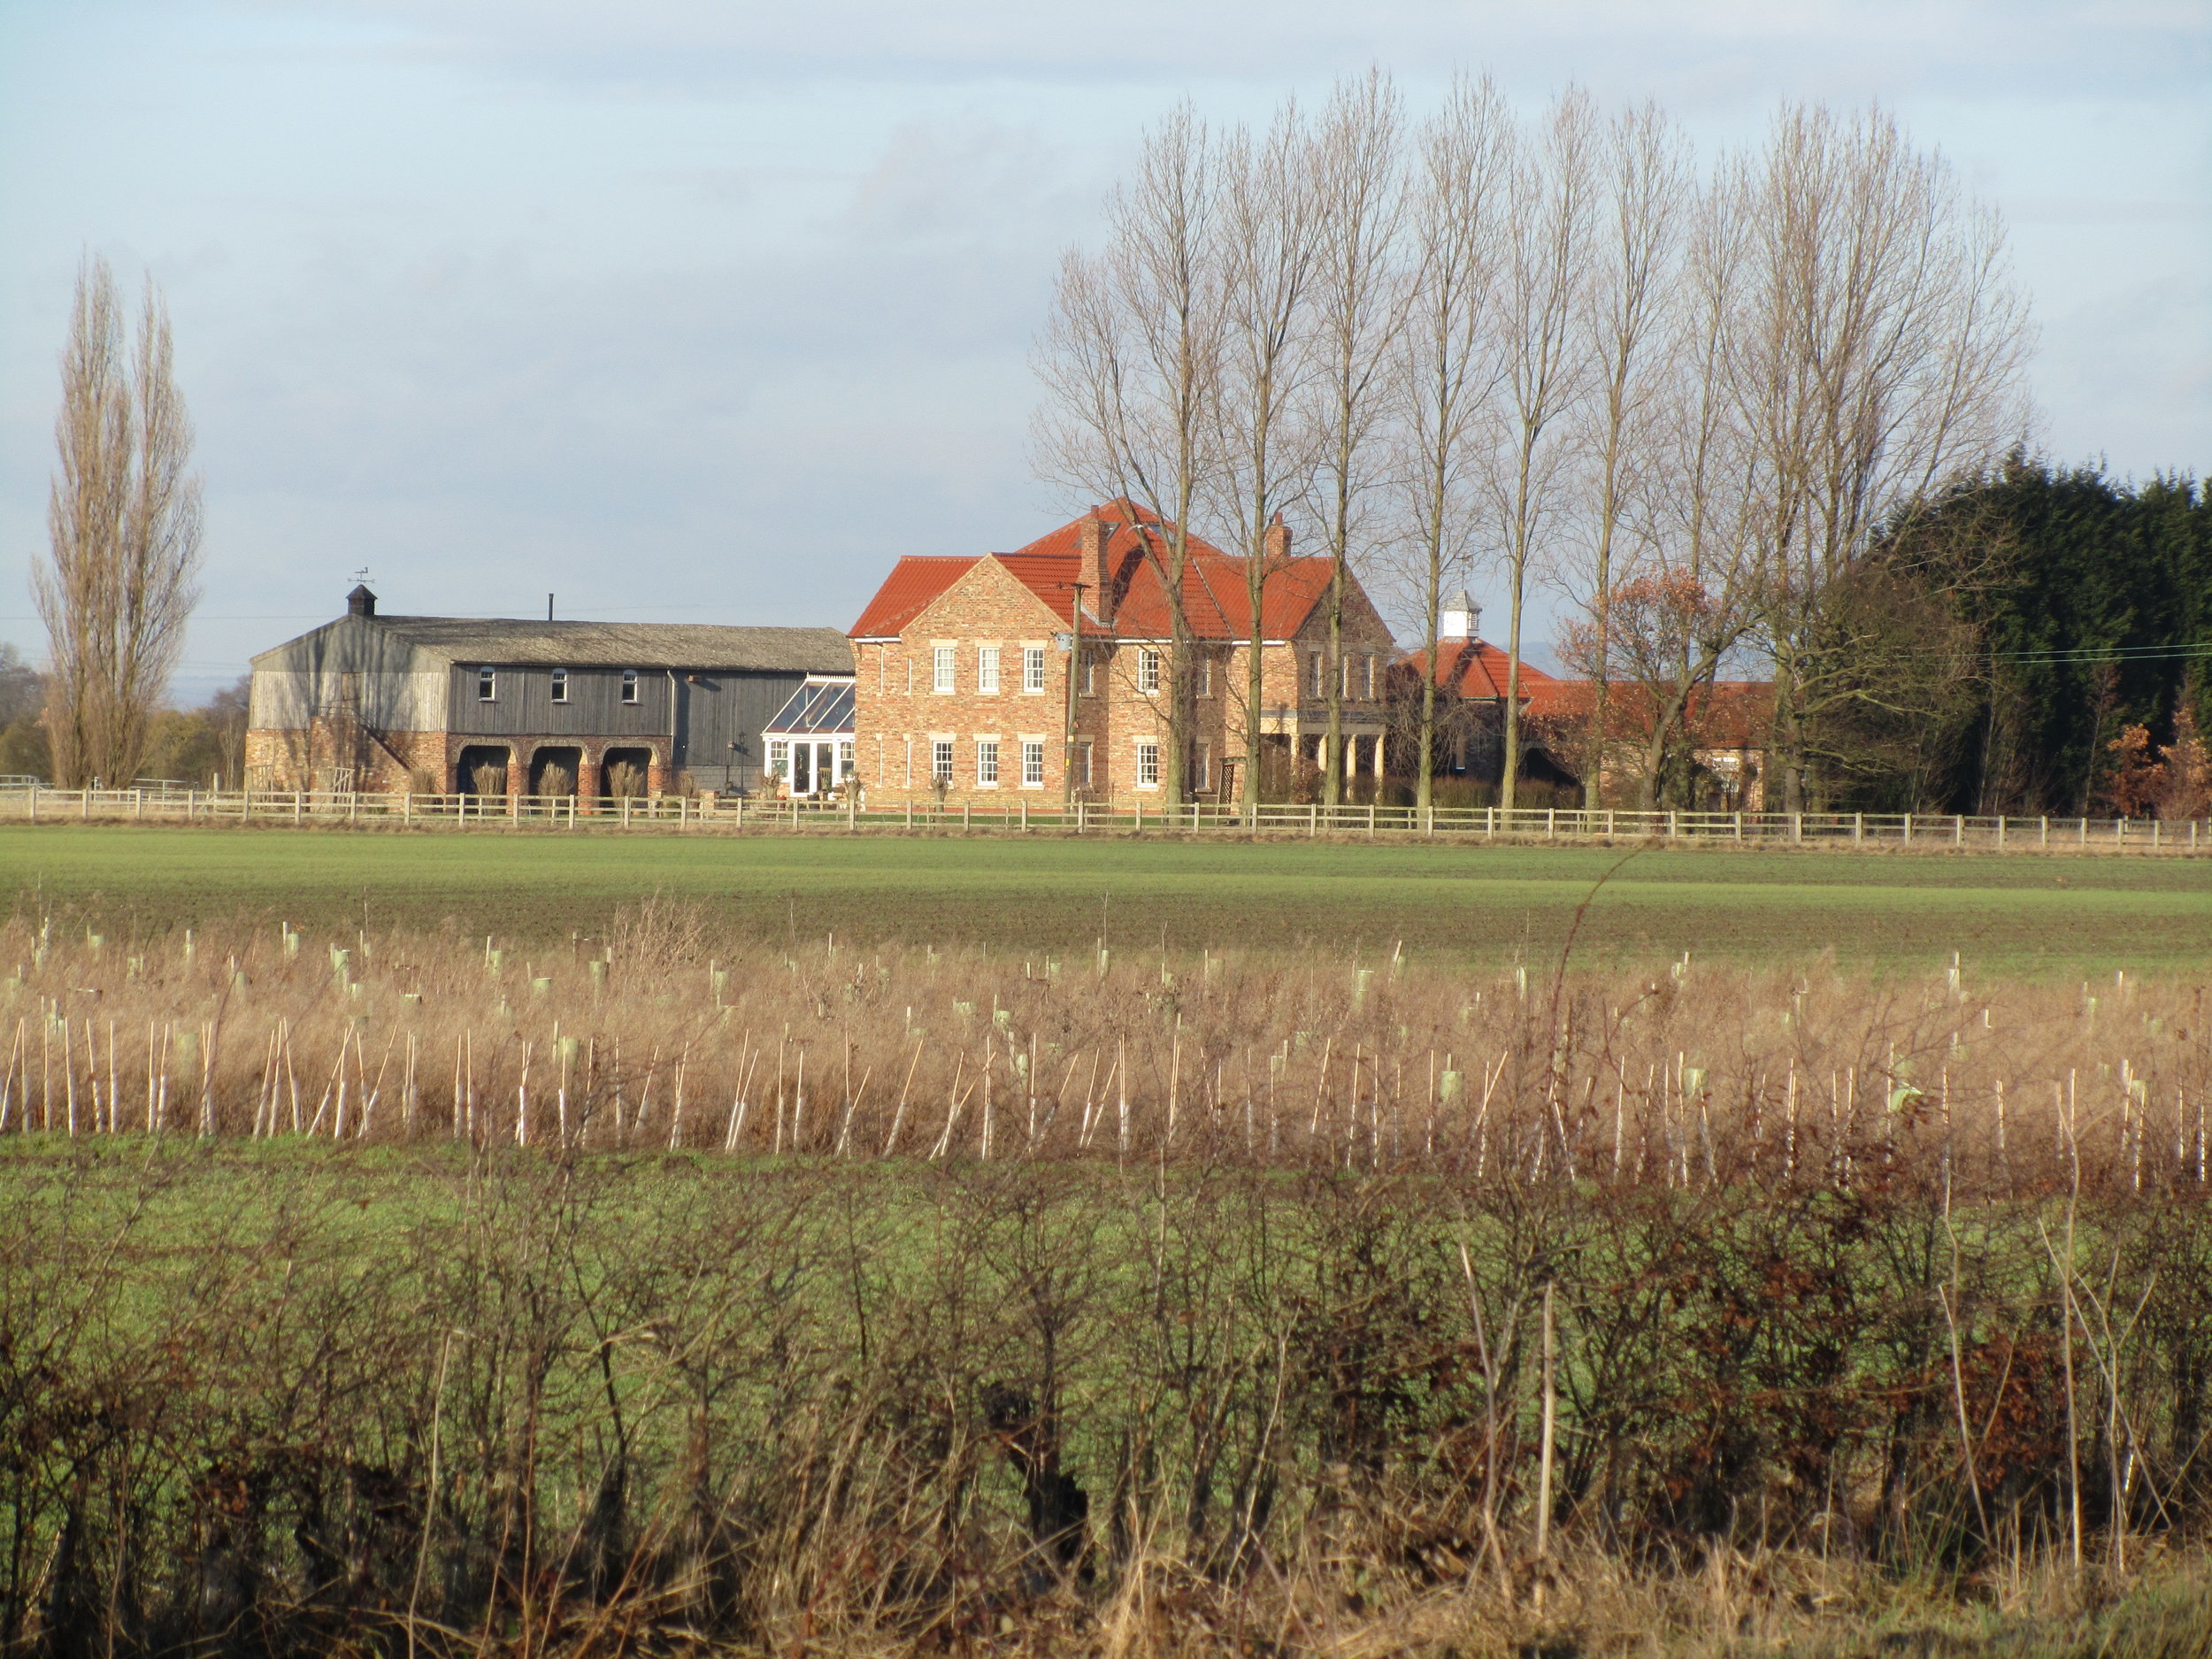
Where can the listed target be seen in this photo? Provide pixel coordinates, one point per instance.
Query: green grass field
(2025, 914)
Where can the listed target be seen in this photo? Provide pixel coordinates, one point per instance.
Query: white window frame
(846, 767)
(1148, 670)
(1033, 669)
(1202, 766)
(778, 758)
(559, 682)
(944, 670)
(1148, 770)
(1084, 763)
(986, 669)
(1032, 763)
(488, 685)
(1319, 678)
(940, 759)
(1370, 676)
(630, 678)
(1205, 675)
(1090, 672)
(987, 762)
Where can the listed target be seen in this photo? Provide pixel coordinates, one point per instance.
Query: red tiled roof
(1478, 671)
(1214, 599)
(913, 583)
(1730, 714)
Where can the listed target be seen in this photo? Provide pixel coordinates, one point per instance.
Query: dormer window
(560, 685)
(487, 685)
(629, 685)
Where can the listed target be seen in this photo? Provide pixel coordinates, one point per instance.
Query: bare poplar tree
(1545, 265)
(1881, 360)
(1446, 371)
(1693, 599)
(123, 519)
(1130, 364)
(1646, 179)
(1270, 207)
(1359, 308)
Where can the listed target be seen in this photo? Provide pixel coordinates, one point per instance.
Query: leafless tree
(1880, 359)
(1691, 597)
(1446, 370)
(1645, 181)
(1359, 309)
(1270, 207)
(1131, 362)
(124, 522)
(1546, 266)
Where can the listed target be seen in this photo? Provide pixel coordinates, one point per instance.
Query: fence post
(626, 812)
(2001, 832)
(1671, 816)
(33, 814)
(2043, 838)
(1907, 829)
(1313, 819)
(299, 805)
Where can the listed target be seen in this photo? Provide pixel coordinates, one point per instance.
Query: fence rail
(41, 804)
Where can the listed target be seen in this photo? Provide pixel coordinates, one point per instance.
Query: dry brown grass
(1684, 1078)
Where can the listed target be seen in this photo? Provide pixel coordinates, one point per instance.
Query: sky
(708, 310)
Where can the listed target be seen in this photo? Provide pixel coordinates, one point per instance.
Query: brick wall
(320, 756)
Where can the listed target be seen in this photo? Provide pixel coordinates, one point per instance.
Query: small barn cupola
(1460, 617)
(361, 601)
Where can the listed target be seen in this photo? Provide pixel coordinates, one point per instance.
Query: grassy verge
(2029, 915)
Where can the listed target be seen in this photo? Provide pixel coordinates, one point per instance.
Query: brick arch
(615, 754)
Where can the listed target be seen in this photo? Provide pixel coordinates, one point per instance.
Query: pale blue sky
(694, 310)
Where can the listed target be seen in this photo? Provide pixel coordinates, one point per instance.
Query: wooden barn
(473, 706)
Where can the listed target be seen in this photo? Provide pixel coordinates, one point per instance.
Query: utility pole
(1075, 668)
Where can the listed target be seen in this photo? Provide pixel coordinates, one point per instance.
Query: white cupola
(1459, 618)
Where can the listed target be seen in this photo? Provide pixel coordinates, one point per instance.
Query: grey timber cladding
(703, 691)
(710, 720)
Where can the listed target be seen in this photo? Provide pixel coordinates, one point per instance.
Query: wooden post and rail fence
(1919, 831)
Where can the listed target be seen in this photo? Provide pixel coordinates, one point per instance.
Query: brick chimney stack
(1278, 538)
(1091, 537)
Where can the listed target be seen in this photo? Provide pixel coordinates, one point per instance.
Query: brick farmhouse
(962, 668)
